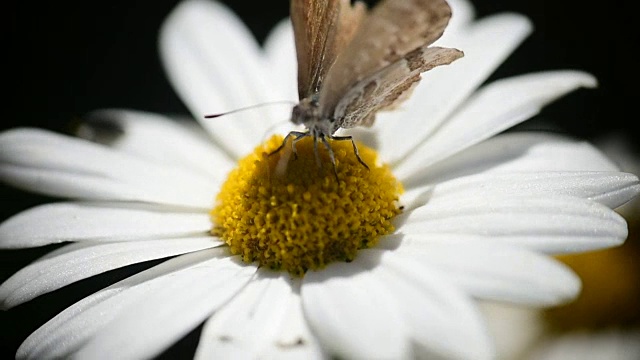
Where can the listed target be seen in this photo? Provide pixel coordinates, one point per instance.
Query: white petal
(281, 54)
(295, 340)
(494, 271)
(516, 152)
(343, 304)
(515, 329)
(416, 197)
(439, 315)
(486, 44)
(609, 188)
(77, 221)
(89, 187)
(157, 138)
(59, 165)
(65, 333)
(553, 225)
(249, 326)
(462, 14)
(610, 344)
(146, 327)
(80, 261)
(494, 108)
(215, 65)
(606, 187)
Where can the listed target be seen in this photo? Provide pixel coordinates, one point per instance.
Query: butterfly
(354, 62)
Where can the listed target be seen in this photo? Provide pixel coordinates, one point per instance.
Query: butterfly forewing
(390, 31)
(322, 29)
(349, 19)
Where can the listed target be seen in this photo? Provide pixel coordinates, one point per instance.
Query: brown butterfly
(353, 62)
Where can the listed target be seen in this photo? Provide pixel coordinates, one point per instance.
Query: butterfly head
(307, 113)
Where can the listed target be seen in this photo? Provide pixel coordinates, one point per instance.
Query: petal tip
(588, 80)
(634, 189)
(515, 21)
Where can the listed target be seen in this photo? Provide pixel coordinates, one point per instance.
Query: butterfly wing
(322, 28)
(392, 30)
(389, 86)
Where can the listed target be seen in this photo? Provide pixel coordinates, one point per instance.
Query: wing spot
(415, 60)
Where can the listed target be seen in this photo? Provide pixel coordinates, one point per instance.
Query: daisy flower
(272, 254)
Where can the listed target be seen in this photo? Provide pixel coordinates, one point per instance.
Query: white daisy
(481, 211)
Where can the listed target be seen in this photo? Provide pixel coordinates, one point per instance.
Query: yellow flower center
(287, 213)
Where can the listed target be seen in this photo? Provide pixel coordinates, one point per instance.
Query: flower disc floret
(286, 212)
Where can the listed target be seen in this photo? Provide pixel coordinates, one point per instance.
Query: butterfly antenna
(213, 116)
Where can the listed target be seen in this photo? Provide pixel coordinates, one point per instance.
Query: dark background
(67, 58)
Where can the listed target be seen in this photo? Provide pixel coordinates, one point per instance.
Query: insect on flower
(353, 62)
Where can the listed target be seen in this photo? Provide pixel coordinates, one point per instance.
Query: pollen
(288, 212)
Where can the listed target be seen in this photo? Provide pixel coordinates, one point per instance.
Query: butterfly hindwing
(392, 29)
(389, 86)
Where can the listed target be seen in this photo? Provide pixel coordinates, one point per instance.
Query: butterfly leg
(355, 148)
(332, 156)
(297, 137)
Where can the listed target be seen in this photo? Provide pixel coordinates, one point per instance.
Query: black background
(64, 59)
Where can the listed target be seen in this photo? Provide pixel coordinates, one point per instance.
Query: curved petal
(58, 165)
(157, 138)
(514, 328)
(215, 65)
(250, 325)
(295, 340)
(462, 15)
(486, 44)
(439, 316)
(88, 187)
(152, 321)
(553, 225)
(609, 188)
(80, 261)
(495, 271)
(494, 108)
(69, 330)
(342, 304)
(76, 221)
(515, 152)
